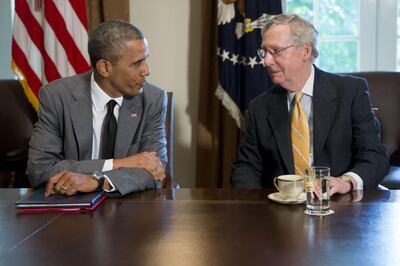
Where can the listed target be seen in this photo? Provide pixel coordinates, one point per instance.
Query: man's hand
(145, 160)
(69, 183)
(338, 185)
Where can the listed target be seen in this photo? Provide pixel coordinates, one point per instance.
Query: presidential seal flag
(49, 42)
(242, 75)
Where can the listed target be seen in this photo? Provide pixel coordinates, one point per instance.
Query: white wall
(5, 40)
(173, 30)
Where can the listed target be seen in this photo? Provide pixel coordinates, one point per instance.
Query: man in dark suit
(343, 133)
(73, 149)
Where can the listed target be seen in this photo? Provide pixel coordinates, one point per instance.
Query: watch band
(347, 178)
(96, 175)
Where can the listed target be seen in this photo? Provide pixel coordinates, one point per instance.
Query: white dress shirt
(99, 109)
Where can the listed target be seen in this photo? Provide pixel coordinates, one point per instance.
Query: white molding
(386, 38)
(368, 31)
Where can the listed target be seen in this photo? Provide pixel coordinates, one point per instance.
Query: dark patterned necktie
(109, 132)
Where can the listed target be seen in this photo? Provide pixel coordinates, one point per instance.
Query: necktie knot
(298, 96)
(110, 106)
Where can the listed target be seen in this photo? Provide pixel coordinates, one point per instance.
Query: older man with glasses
(310, 117)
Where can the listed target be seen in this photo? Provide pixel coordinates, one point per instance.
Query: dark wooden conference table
(205, 227)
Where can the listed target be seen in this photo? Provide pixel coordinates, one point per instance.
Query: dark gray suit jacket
(62, 137)
(346, 134)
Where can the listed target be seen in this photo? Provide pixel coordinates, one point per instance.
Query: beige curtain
(101, 10)
(217, 134)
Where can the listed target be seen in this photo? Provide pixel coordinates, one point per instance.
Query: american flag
(49, 42)
(242, 75)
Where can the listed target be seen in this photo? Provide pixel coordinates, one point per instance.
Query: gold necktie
(300, 136)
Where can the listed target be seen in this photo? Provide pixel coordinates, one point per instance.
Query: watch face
(96, 175)
(100, 179)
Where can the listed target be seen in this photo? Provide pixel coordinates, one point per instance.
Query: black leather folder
(37, 202)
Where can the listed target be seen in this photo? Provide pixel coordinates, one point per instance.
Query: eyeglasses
(262, 53)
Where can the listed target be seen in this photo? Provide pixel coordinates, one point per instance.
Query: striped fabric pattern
(300, 136)
(49, 42)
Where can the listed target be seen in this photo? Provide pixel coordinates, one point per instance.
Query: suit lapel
(129, 117)
(324, 109)
(280, 125)
(81, 115)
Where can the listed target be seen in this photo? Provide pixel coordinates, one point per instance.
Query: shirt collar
(99, 97)
(308, 86)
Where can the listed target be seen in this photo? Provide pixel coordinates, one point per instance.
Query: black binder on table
(37, 202)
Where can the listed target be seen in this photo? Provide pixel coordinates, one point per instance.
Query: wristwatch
(347, 178)
(96, 175)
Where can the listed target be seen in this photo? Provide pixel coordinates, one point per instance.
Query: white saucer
(277, 197)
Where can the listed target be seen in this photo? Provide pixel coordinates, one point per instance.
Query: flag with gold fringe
(241, 72)
(49, 42)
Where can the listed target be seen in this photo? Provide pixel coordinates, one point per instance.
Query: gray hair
(109, 39)
(303, 31)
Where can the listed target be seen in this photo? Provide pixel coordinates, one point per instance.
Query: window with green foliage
(338, 24)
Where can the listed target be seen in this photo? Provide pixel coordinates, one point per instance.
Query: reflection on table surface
(222, 194)
(205, 227)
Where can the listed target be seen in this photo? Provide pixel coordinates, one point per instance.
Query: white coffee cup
(290, 186)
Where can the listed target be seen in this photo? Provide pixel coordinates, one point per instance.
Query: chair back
(17, 117)
(169, 130)
(384, 90)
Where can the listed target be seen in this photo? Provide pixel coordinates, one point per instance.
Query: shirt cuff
(108, 165)
(112, 189)
(358, 184)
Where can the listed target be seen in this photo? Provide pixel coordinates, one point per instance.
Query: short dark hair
(109, 39)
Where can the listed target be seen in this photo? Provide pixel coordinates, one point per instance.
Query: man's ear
(307, 51)
(104, 67)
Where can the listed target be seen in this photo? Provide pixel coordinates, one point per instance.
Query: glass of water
(317, 190)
